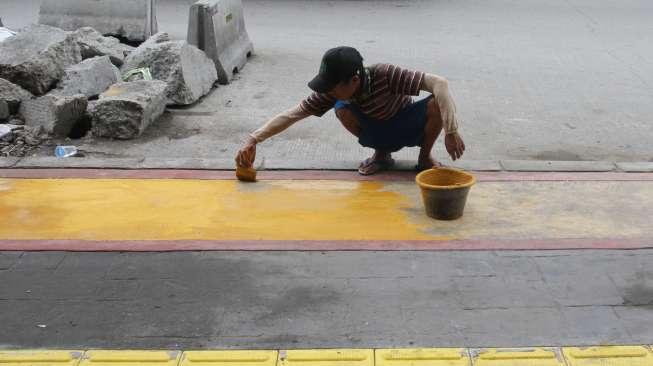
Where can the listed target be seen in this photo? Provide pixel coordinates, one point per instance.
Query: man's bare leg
(431, 132)
(350, 122)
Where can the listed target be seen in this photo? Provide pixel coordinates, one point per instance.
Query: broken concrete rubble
(126, 109)
(20, 140)
(156, 39)
(4, 111)
(187, 71)
(92, 43)
(36, 57)
(90, 77)
(12, 95)
(56, 113)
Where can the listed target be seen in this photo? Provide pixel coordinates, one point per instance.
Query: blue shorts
(404, 129)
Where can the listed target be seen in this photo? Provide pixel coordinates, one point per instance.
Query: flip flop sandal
(370, 167)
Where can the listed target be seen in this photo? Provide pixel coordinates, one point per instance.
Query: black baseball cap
(338, 64)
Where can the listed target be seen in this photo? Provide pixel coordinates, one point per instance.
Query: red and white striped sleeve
(317, 104)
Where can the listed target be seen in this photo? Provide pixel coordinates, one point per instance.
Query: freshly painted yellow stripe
(131, 358)
(229, 358)
(40, 358)
(203, 210)
(331, 357)
(423, 357)
(608, 356)
(175, 209)
(518, 357)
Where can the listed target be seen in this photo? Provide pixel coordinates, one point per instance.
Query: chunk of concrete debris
(126, 109)
(92, 43)
(4, 111)
(156, 39)
(12, 95)
(185, 68)
(36, 57)
(90, 77)
(56, 113)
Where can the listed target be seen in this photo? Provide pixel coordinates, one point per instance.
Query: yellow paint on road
(201, 209)
(175, 209)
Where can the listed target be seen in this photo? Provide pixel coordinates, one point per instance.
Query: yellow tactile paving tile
(517, 357)
(131, 358)
(40, 358)
(423, 357)
(231, 358)
(327, 357)
(608, 356)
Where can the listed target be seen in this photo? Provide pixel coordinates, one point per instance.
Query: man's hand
(455, 145)
(247, 154)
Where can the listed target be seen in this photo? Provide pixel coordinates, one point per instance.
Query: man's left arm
(439, 87)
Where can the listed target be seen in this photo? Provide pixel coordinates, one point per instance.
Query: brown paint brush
(246, 174)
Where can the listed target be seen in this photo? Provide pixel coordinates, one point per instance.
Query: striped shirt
(388, 90)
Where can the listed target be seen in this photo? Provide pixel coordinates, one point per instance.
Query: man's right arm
(279, 123)
(316, 104)
(247, 153)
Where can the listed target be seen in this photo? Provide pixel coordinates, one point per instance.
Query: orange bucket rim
(471, 182)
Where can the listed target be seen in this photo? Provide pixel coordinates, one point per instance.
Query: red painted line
(324, 245)
(309, 175)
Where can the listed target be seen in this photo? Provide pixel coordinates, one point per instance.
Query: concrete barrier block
(134, 20)
(218, 28)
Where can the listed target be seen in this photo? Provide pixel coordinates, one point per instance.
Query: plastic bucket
(444, 192)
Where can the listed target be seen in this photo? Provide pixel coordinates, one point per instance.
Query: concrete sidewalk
(294, 300)
(555, 80)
